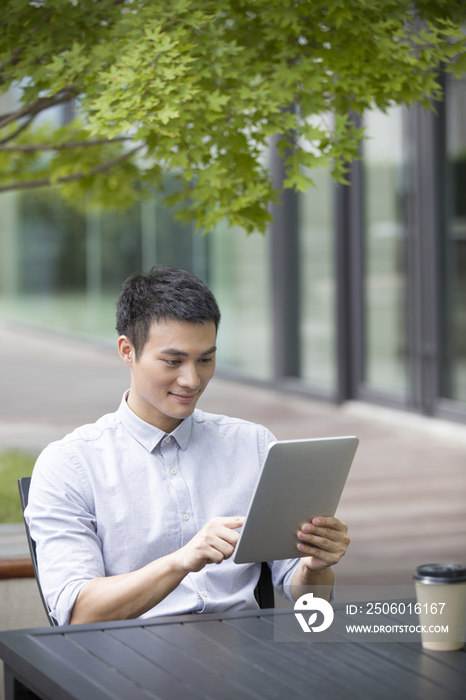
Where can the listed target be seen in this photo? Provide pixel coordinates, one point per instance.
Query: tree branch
(38, 106)
(29, 184)
(18, 131)
(59, 147)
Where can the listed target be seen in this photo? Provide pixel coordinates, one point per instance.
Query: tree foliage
(200, 87)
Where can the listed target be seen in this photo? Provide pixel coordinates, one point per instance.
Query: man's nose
(189, 376)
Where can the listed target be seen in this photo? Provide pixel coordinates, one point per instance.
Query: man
(131, 514)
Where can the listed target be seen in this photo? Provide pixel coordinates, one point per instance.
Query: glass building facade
(453, 385)
(355, 292)
(384, 282)
(317, 282)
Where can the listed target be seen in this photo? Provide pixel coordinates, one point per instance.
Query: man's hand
(325, 540)
(215, 542)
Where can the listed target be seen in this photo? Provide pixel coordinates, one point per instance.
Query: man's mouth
(184, 398)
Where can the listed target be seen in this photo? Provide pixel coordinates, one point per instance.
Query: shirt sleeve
(282, 573)
(62, 521)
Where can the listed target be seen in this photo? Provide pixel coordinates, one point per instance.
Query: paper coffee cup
(441, 598)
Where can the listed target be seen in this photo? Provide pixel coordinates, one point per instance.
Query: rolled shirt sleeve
(62, 521)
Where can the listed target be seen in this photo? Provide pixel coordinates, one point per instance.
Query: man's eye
(206, 360)
(172, 363)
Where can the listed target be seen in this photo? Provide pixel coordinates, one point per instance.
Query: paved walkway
(405, 499)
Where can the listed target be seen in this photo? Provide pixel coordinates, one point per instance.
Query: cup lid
(440, 573)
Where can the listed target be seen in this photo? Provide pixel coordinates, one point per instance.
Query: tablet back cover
(299, 480)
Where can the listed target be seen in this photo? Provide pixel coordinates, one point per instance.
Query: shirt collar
(148, 435)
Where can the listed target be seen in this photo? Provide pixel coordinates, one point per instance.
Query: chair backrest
(264, 589)
(23, 485)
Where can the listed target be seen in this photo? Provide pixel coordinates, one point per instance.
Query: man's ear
(126, 350)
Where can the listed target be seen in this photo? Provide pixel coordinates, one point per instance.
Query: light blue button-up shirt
(113, 496)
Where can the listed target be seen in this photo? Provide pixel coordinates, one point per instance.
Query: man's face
(174, 368)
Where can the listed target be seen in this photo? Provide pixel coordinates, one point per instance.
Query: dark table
(230, 656)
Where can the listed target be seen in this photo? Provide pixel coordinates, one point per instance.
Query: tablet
(299, 480)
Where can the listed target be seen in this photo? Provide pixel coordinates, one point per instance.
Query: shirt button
(167, 439)
(173, 471)
(203, 594)
(185, 517)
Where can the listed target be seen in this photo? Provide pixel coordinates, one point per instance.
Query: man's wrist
(321, 582)
(304, 576)
(177, 564)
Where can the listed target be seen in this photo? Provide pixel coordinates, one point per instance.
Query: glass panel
(64, 269)
(317, 282)
(454, 375)
(239, 274)
(384, 273)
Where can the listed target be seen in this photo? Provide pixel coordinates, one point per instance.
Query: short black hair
(164, 293)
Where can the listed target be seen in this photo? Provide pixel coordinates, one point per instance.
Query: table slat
(84, 675)
(400, 677)
(310, 679)
(447, 669)
(134, 667)
(225, 661)
(181, 665)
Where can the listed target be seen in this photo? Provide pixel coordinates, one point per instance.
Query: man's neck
(148, 414)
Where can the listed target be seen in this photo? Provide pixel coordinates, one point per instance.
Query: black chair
(23, 485)
(264, 589)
